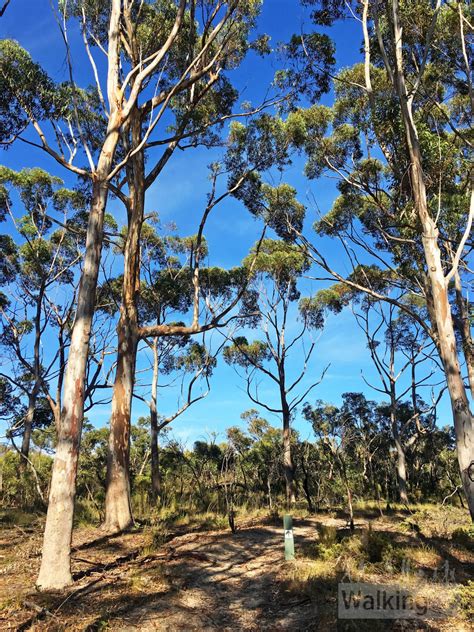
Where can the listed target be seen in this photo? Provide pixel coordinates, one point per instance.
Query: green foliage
(23, 86)
(246, 354)
(361, 141)
(312, 312)
(195, 358)
(92, 470)
(464, 600)
(8, 259)
(21, 490)
(277, 260)
(283, 212)
(302, 77)
(464, 536)
(45, 256)
(251, 150)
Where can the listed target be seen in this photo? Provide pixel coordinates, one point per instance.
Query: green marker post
(289, 541)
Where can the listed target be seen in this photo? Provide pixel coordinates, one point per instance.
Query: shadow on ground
(216, 580)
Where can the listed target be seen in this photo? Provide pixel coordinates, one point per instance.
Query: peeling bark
(118, 511)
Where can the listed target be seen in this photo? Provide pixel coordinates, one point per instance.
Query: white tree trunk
(462, 416)
(55, 571)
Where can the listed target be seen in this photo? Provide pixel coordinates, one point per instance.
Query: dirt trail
(204, 580)
(197, 581)
(226, 582)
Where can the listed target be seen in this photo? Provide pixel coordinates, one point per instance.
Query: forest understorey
(160, 578)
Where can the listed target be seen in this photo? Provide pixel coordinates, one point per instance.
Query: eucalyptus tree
(173, 284)
(278, 265)
(210, 294)
(352, 439)
(398, 140)
(397, 361)
(338, 433)
(199, 107)
(196, 110)
(264, 456)
(43, 260)
(180, 360)
(369, 438)
(232, 475)
(89, 125)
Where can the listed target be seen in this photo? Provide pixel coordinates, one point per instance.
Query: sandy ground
(195, 581)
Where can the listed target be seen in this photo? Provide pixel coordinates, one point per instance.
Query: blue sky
(181, 191)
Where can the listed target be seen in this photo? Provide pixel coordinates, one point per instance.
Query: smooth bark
(28, 426)
(55, 571)
(401, 467)
(462, 416)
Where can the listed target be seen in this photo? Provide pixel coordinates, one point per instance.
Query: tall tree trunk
(28, 426)
(118, 511)
(288, 467)
(401, 457)
(463, 418)
(118, 502)
(156, 489)
(154, 433)
(55, 571)
(465, 331)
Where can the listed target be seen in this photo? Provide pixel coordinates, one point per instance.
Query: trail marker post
(289, 541)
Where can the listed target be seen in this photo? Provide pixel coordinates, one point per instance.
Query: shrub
(327, 534)
(464, 536)
(464, 600)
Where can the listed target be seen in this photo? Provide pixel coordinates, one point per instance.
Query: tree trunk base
(116, 525)
(118, 515)
(118, 509)
(53, 582)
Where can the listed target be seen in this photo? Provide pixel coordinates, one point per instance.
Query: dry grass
(207, 578)
(383, 552)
